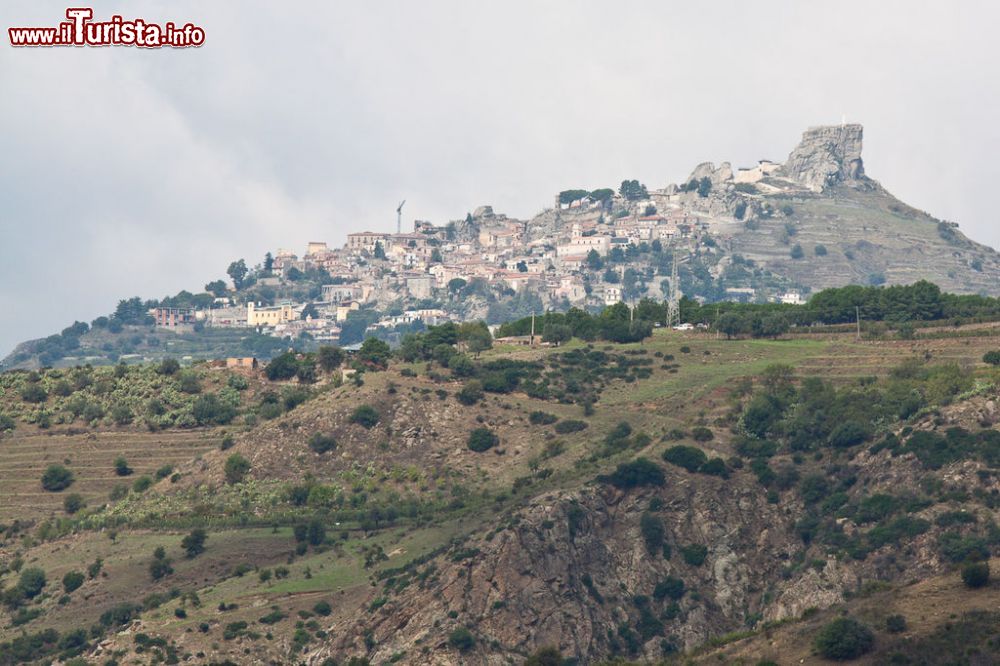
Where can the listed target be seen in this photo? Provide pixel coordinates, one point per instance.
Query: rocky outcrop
(827, 156)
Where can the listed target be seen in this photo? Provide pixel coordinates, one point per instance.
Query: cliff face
(827, 156)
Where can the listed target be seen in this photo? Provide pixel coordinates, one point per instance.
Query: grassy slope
(666, 400)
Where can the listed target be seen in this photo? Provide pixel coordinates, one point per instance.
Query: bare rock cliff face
(827, 156)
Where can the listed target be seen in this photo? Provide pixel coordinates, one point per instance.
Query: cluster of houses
(553, 257)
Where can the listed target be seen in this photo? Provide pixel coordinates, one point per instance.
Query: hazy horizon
(143, 172)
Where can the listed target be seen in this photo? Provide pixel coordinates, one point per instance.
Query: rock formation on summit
(827, 155)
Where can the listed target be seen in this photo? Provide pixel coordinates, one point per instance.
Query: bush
(321, 443)
(694, 554)
(482, 439)
(282, 367)
(365, 416)
(976, 575)
(688, 457)
(539, 417)
(189, 382)
(73, 503)
(848, 433)
(142, 484)
(844, 638)
(168, 366)
(236, 468)
(669, 587)
(570, 426)
(652, 531)
(546, 656)
(121, 466)
(56, 478)
(992, 357)
(72, 581)
(209, 410)
(701, 434)
(895, 624)
(160, 566)
(31, 582)
(470, 393)
(322, 608)
(34, 393)
(639, 472)
(462, 639)
(194, 543)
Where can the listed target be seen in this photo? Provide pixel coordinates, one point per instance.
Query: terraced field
(25, 455)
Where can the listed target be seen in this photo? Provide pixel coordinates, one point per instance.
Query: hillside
(825, 472)
(775, 232)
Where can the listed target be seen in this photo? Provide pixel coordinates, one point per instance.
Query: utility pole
(857, 319)
(531, 340)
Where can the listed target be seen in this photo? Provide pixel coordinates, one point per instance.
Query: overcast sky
(142, 172)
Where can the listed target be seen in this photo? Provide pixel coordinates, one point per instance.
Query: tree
(330, 358)
(689, 457)
(470, 393)
(168, 366)
(704, 186)
(462, 639)
(121, 466)
(594, 261)
(236, 468)
(482, 439)
(436, 257)
(379, 251)
(374, 352)
(611, 276)
(556, 333)
(160, 566)
(976, 574)
(216, 288)
(633, 190)
(238, 272)
(774, 325)
(194, 543)
(31, 582)
(56, 478)
(820, 250)
(992, 357)
(731, 324)
(309, 311)
(639, 472)
(365, 416)
(844, 638)
(72, 581)
(796, 252)
(284, 366)
(73, 503)
(456, 285)
(546, 656)
(479, 340)
(268, 262)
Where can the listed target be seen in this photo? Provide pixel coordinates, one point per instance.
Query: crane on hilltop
(399, 217)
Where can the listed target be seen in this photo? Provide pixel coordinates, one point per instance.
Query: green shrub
(236, 468)
(976, 574)
(848, 433)
(462, 639)
(569, 426)
(208, 409)
(168, 366)
(688, 457)
(470, 393)
(164, 471)
(365, 416)
(322, 608)
(702, 434)
(694, 554)
(482, 439)
(34, 393)
(160, 566)
(895, 624)
(321, 443)
(142, 484)
(194, 543)
(539, 417)
(31, 582)
(56, 478)
(844, 638)
(72, 581)
(992, 357)
(715, 467)
(73, 503)
(189, 382)
(669, 587)
(653, 532)
(639, 472)
(121, 466)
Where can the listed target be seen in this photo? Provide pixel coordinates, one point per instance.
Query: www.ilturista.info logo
(80, 30)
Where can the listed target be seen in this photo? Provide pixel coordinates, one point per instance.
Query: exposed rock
(826, 156)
